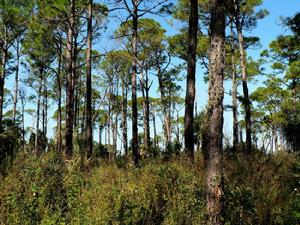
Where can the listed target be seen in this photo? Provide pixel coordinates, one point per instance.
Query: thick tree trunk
(70, 66)
(135, 145)
(190, 86)
(89, 126)
(16, 92)
(2, 81)
(234, 95)
(213, 148)
(246, 100)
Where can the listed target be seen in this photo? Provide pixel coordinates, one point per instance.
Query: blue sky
(267, 30)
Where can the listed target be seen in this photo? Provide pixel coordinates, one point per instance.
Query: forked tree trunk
(246, 100)
(243, 61)
(190, 87)
(163, 101)
(214, 189)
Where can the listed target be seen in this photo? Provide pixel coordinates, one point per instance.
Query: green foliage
(47, 190)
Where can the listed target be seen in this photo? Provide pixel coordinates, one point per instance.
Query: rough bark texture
(190, 87)
(70, 67)
(135, 145)
(89, 128)
(213, 142)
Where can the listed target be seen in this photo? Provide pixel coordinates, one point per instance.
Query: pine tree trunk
(246, 100)
(135, 147)
(38, 114)
(2, 82)
(124, 117)
(190, 85)
(234, 95)
(154, 129)
(16, 81)
(59, 119)
(89, 128)
(213, 147)
(145, 91)
(166, 125)
(70, 66)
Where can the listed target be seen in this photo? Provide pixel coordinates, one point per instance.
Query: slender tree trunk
(166, 125)
(145, 91)
(275, 138)
(89, 126)
(115, 136)
(124, 117)
(38, 114)
(214, 189)
(246, 100)
(70, 65)
(46, 109)
(2, 82)
(135, 144)
(43, 106)
(23, 122)
(59, 119)
(109, 127)
(190, 86)
(154, 129)
(16, 82)
(234, 94)
(100, 134)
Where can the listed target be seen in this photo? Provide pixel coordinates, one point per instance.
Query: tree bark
(190, 87)
(124, 117)
(234, 94)
(146, 109)
(70, 66)
(16, 81)
(135, 145)
(38, 114)
(58, 80)
(89, 126)
(2, 82)
(166, 125)
(246, 100)
(214, 136)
